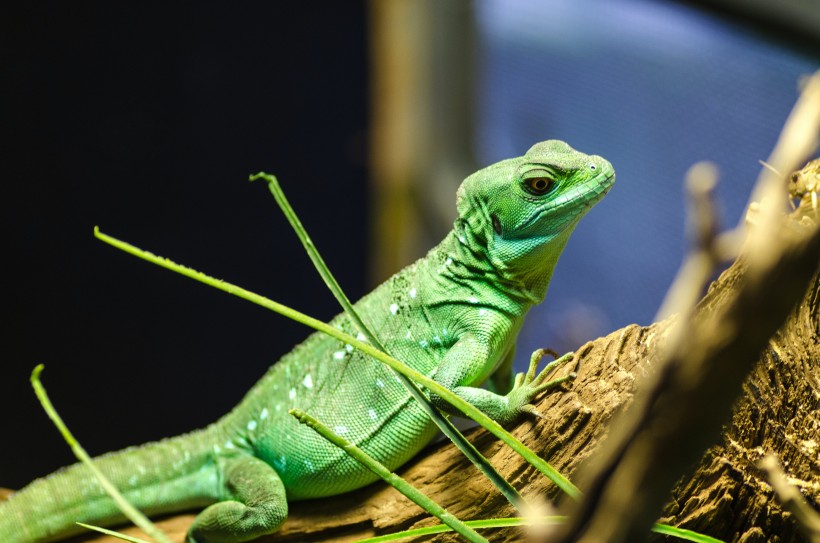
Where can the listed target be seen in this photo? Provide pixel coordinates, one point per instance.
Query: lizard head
(521, 211)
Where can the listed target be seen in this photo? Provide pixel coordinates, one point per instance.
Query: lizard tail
(161, 477)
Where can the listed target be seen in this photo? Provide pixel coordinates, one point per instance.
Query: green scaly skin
(453, 315)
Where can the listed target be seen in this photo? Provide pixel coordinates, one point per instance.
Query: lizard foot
(530, 384)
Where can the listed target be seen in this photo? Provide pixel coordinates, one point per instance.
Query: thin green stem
(479, 524)
(441, 421)
(388, 476)
(112, 533)
(686, 535)
(467, 409)
(485, 524)
(128, 510)
(318, 262)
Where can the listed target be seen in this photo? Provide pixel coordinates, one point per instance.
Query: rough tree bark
(726, 496)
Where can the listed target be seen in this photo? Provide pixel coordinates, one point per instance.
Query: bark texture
(779, 413)
(726, 496)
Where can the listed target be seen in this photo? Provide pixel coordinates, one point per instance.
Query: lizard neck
(537, 280)
(464, 260)
(469, 259)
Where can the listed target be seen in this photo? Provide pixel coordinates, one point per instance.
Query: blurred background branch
(682, 407)
(422, 92)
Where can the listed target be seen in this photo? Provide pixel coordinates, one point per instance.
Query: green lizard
(453, 315)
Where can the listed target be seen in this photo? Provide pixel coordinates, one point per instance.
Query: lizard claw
(536, 357)
(532, 410)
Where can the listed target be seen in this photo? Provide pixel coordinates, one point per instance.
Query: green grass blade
(414, 494)
(686, 535)
(112, 533)
(469, 411)
(441, 421)
(128, 510)
(511, 522)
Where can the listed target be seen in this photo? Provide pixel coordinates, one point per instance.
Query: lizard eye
(539, 186)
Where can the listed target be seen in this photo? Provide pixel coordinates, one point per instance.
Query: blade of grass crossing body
(112, 533)
(470, 411)
(128, 510)
(442, 422)
(414, 494)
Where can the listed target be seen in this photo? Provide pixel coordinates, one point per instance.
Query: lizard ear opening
(496, 224)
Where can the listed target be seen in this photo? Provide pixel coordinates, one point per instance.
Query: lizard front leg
(465, 362)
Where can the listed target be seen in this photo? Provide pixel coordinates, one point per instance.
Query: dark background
(146, 121)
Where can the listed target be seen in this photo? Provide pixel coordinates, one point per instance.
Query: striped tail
(162, 477)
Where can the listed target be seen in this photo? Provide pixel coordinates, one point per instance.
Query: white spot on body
(379, 383)
(472, 300)
(292, 393)
(309, 466)
(423, 344)
(217, 450)
(278, 407)
(251, 425)
(482, 312)
(349, 348)
(448, 261)
(463, 240)
(340, 430)
(394, 308)
(372, 414)
(413, 293)
(131, 481)
(308, 381)
(361, 337)
(229, 445)
(264, 414)
(339, 355)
